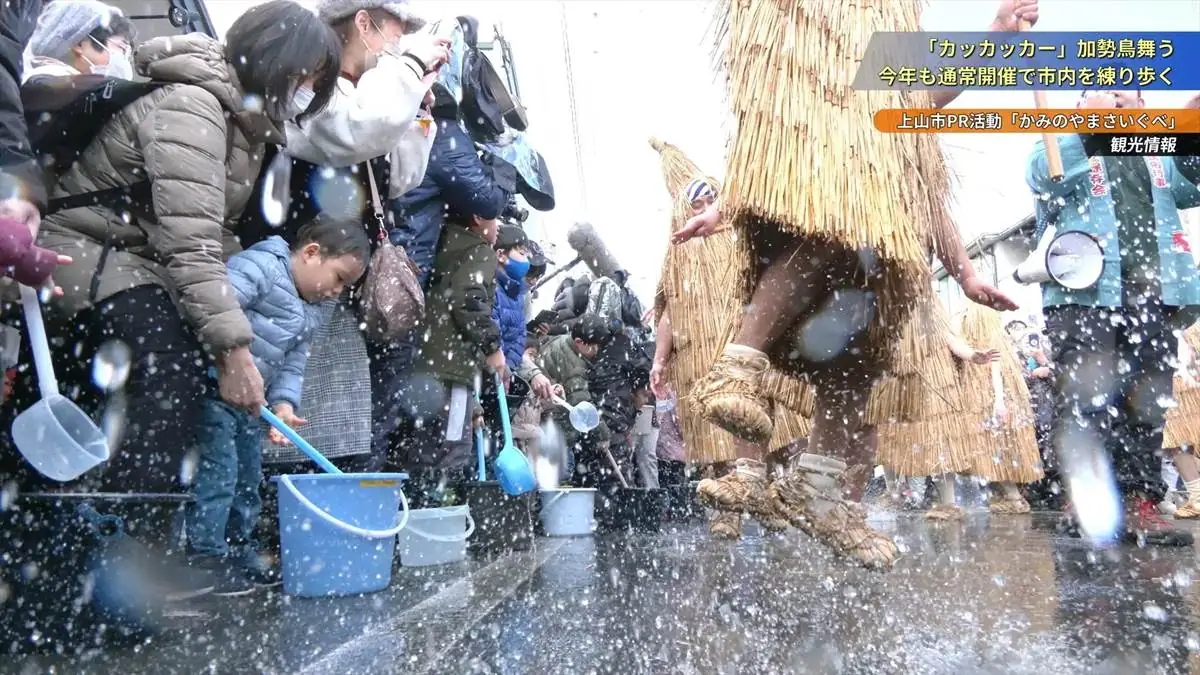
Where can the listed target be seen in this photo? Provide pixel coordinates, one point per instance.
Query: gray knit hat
(332, 11)
(65, 23)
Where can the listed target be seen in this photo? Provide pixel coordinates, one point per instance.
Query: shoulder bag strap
(376, 203)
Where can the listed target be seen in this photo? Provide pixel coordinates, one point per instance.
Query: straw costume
(698, 291)
(924, 437)
(1183, 421)
(1003, 450)
(832, 205)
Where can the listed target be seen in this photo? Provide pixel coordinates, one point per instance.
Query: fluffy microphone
(591, 249)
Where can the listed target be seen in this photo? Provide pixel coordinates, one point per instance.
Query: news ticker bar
(1033, 121)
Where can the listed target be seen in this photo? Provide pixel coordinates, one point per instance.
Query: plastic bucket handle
(447, 538)
(286, 481)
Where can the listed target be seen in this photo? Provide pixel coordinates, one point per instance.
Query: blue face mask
(516, 269)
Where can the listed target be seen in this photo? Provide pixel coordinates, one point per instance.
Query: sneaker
(1145, 527)
(185, 582)
(229, 581)
(730, 395)
(260, 570)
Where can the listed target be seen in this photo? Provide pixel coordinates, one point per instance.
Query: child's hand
(287, 413)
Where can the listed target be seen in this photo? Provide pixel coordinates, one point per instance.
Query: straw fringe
(807, 159)
(919, 406)
(1183, 421)
(920, 361)
(1010, 453)
(698, 289)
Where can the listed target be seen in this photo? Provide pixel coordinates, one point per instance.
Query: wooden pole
(1053, 156)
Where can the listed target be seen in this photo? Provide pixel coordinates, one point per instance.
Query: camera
(514, 213)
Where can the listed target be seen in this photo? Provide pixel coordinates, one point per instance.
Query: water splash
(1090, 484)
(277, 193)
(111, 365)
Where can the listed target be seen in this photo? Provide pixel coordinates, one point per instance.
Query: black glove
(503, 173)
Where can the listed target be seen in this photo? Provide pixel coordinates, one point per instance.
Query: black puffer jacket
(19, 172)
(621, 368)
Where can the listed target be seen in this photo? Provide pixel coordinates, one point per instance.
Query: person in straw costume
(833, 219)
(1182, 428)
(695, 308)
(1001, 437)
(927, 439)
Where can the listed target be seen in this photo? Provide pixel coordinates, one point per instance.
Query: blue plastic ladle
(511, 466)
(305, 447)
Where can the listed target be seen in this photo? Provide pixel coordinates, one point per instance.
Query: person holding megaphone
(1118, 280)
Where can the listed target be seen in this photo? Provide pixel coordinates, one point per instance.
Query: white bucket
(435, 536)
(569, 512)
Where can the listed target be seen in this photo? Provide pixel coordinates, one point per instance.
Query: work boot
(730, 396)
(1003, 506)
(725, 525)
(945, 512)
(811, 499)
(742, 490)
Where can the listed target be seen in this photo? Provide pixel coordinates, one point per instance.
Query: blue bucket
(337, 532)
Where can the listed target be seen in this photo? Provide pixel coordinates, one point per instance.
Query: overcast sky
(643, 68)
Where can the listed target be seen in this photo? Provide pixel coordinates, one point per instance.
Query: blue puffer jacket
(509, 313)
(283, 323)
(456, 176)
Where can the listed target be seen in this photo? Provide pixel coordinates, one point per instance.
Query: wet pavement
(989, 595)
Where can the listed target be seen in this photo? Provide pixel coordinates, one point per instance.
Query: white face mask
(302, 99)
(116, 67)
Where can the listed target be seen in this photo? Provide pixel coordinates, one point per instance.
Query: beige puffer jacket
(177, 138)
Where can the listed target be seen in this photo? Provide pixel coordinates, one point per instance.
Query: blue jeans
(227, 500)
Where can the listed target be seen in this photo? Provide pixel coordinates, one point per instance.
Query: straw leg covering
(806, 159)
(698, 289)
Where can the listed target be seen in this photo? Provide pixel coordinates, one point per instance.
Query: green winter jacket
(564, 366)
(458, 332)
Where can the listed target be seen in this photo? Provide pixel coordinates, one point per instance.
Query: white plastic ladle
(584, 417)
(54, 435)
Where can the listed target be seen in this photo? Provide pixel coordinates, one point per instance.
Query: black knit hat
(510, 237)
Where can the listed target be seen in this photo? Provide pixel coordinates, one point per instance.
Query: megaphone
(1072, 259)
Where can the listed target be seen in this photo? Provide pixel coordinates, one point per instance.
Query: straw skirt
(1007, 453)
(808, 168)
(697, 290)
(1183, 420)
(919, 439)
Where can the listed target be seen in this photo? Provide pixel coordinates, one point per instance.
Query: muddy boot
(725, 525)
(742, 490)
(730, 396)
(945, 512)
(811, 499)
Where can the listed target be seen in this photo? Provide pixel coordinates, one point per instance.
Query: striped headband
(699, 188)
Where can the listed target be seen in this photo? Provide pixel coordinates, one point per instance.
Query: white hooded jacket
(374, 118)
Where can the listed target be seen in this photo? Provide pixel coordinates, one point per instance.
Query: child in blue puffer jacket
(283, 291)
